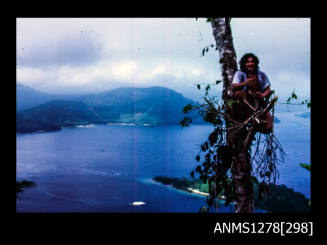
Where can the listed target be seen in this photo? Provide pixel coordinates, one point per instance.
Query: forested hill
(155, 105)
(27, 97)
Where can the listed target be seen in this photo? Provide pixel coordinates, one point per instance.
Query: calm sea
(104, 168)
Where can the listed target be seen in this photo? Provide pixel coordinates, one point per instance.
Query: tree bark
(224, 40)
(241, 167)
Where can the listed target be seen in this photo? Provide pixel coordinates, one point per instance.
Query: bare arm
(238, 86)
(264, 94)
(267, 92)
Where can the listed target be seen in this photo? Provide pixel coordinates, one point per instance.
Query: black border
(162, 226)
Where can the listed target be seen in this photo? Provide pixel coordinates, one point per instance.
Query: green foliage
(214, 168)
(294, 97)
(215, 155)
(187, 108)
(207, 48)
(204, 188)
(306, 166)
(211, 20)
(281, 198)
(185, 122)
(231, 101)
(21, 185)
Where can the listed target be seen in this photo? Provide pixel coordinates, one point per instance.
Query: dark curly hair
(245, 58)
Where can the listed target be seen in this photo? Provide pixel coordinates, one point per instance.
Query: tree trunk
(241, 167)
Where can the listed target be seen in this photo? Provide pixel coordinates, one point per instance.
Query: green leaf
(218, 81)
(21, 185)
(187, 108)
(204, 147)
(306, 166)
(229, 102)
(204, 178)
(185, 122)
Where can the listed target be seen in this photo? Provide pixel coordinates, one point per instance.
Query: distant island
(129, 106)
(281, 200)
(22, 185)
(190, 185)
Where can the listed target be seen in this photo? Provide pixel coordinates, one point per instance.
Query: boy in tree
(250, 83)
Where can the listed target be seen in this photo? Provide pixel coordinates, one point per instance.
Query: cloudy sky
(76, 55)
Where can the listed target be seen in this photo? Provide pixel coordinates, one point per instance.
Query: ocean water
(104, 168)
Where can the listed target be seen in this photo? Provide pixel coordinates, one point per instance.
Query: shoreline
(187, 190)
(281, 199)
(197, 192)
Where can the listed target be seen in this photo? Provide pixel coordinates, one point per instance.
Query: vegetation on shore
(281, 199)
(183, 183)
(139, 106)
(21, 185)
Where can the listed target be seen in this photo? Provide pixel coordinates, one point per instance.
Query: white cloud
(30, 75)
(195, 72)
(95, 53)
(124, 70)
(46, 42)
(73, 75)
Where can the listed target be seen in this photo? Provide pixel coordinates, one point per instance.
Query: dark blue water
(103, 168)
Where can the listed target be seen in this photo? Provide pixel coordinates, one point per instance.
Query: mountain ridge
(153, 105)
(28, 97)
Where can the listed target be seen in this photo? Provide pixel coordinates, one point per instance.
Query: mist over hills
(27, 97)
(46, 112)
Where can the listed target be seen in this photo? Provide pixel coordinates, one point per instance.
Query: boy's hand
(259, 96)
